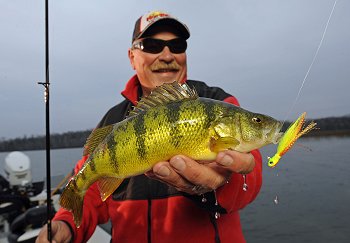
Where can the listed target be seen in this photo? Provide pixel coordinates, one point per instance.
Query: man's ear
(131, 58)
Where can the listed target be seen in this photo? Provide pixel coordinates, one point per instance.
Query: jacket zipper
(216, 228)
(149, 221)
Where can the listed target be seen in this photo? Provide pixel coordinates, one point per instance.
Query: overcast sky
(257, 50)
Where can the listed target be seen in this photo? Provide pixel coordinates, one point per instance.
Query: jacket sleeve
(95, 212)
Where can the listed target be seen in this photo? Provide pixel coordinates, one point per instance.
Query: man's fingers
(197, 174)
(189, 176)
(60, 232)
(164, 172)
(237, 162)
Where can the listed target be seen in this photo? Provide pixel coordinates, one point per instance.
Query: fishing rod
(46, 85)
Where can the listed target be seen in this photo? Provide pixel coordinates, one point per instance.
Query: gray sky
(257, 50)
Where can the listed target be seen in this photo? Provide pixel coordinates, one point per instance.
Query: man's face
(155, 69)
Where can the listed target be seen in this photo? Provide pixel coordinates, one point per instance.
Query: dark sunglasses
(155, 46)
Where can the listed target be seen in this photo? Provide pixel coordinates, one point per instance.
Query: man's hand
(60, 233)
(198, 177)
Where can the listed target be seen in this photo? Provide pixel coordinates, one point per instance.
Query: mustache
(161, 65)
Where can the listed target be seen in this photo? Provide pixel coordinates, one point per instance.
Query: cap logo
(156, 15)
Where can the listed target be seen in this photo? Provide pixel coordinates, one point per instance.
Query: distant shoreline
(329, 133)
(330, 126)
(77, 140)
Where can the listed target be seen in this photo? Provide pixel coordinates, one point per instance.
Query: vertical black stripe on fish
(111, 147)
(140, 131)
(209, 110)
(92, 165)
(173, 116)
(82, 173)
(204, 112)
(74, 184)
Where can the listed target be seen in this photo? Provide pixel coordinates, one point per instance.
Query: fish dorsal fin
(165, 94)
(95, 138)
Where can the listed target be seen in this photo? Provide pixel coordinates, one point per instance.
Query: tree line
(327, 127)
(63, 140)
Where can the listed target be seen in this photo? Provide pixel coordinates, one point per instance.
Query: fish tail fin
(72, 199)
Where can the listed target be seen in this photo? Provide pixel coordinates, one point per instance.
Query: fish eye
(256, 119)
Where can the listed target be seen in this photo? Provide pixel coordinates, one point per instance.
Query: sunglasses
(155, 46)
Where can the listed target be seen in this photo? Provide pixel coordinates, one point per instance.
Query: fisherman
(181, 199)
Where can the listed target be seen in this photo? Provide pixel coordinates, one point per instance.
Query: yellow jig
(295, 131)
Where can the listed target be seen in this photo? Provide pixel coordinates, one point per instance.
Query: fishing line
(276, 198)
(312, 62)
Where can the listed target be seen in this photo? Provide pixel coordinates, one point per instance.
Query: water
(62, 162)
(305, 198)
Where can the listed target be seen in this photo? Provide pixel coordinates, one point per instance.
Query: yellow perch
(171, 120)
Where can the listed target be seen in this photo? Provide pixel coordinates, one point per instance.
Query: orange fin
(107, 185)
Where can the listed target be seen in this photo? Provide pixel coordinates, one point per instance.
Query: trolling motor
(18, 171)
(18, 210)
(15, 186)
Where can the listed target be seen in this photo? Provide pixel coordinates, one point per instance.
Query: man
(180, 200)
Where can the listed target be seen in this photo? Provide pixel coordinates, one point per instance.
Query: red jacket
(146, 210)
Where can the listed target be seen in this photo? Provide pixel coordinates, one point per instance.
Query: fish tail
(72, 199)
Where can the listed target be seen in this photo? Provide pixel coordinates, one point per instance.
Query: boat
(23, 208)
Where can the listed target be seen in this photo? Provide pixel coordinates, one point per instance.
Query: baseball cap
(158, 17)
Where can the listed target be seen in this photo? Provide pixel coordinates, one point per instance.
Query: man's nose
(166, 55)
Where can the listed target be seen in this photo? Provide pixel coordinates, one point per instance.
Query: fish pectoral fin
(107, 185)
(222, 143)
(95, 138)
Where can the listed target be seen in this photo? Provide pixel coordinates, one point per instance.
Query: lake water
(312, 184)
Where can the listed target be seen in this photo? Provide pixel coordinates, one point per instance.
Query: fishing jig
(295, 131)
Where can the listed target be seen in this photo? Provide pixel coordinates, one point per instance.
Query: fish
(292, 134)
(172, 120)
